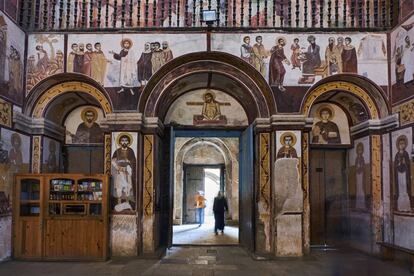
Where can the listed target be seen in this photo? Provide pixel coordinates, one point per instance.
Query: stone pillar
(288, 197)
(305, 188)
(263, 233)
(377, 210)
(148, 218)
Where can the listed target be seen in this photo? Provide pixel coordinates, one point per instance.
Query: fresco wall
(121, 63)
(51, 155)
(360, 194)
(14, 158)
(12, 41)
(402, 67)
(206, 107)
(291, 63)
(45, 57)
(331, 126)
(402, 196)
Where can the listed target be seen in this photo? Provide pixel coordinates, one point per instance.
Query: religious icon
(361, 192)
(88, 131)
(211, 113)
(325, 131)
(246, 51)
(126, 57)
(260, 54)
(402, 176)
(349, 57)
(311, 61)
(277, 70)
(288, 141)
(5, 113)
(15, 153)
(124, 173)
(51, 162)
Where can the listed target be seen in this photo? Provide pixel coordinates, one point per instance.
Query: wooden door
(27, 218)
(327, 196)
(193, 182)
(246, 192)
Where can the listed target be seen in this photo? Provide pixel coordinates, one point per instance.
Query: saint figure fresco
(349, 57)
(402, 176)
(277, 70)
(126, 58)
(246, 50)
(259, 55)
(144, 65)
(361, 192)
(124, 173)
(325, 131)
(88, 131)
(288, 141)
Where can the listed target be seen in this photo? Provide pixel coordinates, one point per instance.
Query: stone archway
(231, 163)
(208, 70)
(368, 92)
(50, 89)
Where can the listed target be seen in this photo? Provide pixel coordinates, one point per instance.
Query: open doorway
(203, 167)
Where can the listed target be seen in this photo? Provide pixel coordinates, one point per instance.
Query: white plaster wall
(386, 188)
(5, 237)
(403, 231)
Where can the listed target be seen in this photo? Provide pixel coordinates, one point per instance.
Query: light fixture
(209, 17)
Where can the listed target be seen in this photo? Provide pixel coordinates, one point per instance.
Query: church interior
(179, 137)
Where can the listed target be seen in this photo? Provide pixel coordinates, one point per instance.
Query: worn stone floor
(204, 235)
(225, 260)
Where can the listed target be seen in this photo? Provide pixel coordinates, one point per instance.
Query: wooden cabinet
(60, 217)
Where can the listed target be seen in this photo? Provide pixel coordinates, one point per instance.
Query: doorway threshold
(323, 247)
(204, 244)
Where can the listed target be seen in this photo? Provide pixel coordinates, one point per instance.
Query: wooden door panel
(317, 197)
(194, 182)
(327, 195)
(28, 241)
(61, 242)
(335, 195)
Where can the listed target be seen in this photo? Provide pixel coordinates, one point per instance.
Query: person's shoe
(222, 232)
(216, 233)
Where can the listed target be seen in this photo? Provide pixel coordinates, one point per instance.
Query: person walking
(200, 205)
(219, 207)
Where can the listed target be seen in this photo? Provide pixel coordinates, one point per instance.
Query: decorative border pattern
(344, 86)
(305, 188)
(107, 154)
(67, 87)
(406, 111)
(265, 171)
(5, 113)
(148, 175)
(376, 187)
(36, 154)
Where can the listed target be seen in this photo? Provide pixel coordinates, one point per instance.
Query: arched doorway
(344, 168)
(71, 110)
(207, 84)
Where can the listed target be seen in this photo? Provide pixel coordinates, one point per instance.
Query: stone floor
(204, 235)
(225, 260)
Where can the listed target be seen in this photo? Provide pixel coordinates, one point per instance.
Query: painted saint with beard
(89, 131)
(124, 174)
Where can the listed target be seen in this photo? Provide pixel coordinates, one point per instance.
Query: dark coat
(219, 207)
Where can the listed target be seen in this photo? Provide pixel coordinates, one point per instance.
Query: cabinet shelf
(48, 208)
